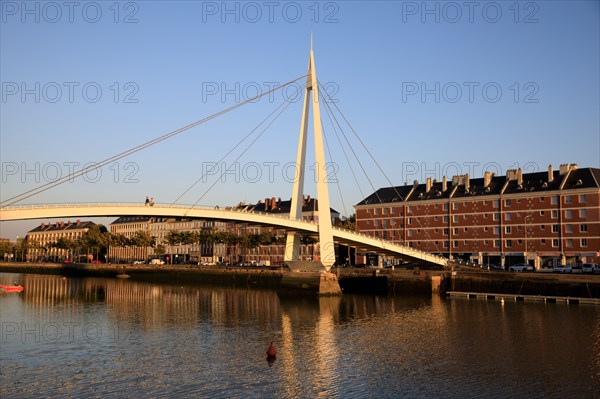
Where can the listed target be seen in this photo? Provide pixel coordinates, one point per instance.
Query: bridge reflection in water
(205, 341)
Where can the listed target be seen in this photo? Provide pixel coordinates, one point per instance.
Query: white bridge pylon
(326, 243)
(361, 242)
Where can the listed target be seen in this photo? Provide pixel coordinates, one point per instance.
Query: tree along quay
(351, 280)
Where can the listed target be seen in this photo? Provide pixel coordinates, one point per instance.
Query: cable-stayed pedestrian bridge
(361, 242)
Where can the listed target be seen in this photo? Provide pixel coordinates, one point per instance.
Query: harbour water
(104, 337)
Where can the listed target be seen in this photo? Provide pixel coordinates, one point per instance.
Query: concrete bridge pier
(309, 284)
(309, 279)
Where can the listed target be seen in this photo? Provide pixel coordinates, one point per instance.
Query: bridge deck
(361, 242)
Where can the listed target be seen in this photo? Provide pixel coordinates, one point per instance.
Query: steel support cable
(352, 149)
(287, 104)
(337, 182)
(229, 152)
(327, 109)
(382, 172)
(133, 150)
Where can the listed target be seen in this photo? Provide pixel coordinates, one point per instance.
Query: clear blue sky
(432, 87)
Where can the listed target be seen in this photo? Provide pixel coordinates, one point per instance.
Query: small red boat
(10, 288)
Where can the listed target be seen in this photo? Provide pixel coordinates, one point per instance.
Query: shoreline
(352, 281)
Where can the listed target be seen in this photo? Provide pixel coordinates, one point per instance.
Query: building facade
(41, 239)
(159, 228)
(540, 218)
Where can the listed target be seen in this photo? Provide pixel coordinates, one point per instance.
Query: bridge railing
(412, 249)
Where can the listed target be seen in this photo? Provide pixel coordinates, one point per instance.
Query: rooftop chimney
(43, 225)
(564, 168)
(428, 184)
(520, 176)
(444, 184)
(415, 183)
(487, 179)
(467, 182)
(78, 222)
(273, 203)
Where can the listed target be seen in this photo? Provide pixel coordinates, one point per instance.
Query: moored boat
(10, 288)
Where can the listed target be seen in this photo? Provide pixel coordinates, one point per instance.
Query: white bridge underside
(361, 242)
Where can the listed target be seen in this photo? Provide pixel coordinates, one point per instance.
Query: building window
(410, 232)
(455, 206)
(582, 199)
(455, 231)
(376, 211)
(376, 223)
(554, 214)
(496, 216)
(554, 200)
(435, 218)
(541, 213)
(569, 243)
(385, 224)
(446, 245)
(568, 199)
(496, 243)
(543, 241)
(496, 230)
(455, 219)
(496, 203)
(568, 228)
(446, 230)
(445, 207)
(507, 216)
(465, 229)
(555, 243)
(410, 209)
(542, 227)
(584, 242)
(583, 228)
(485, 215)
(455, 243)
(507, 203)
(485, 228)
(409, 220)
(568, 214)
(583, 213)
(555, 228)
(446, 219)
(508, 243)
(507, 229)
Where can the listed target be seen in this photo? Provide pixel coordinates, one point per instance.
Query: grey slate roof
(532, 182)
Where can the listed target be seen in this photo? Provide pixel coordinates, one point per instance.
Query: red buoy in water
(271, 352)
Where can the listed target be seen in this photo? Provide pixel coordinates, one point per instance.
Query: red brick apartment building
(540, 218)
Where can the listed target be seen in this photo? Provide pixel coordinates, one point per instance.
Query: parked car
(561, 269)
(577, 268)
(157, 262)
(520, 268)
(139, 262)
(590, 268)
